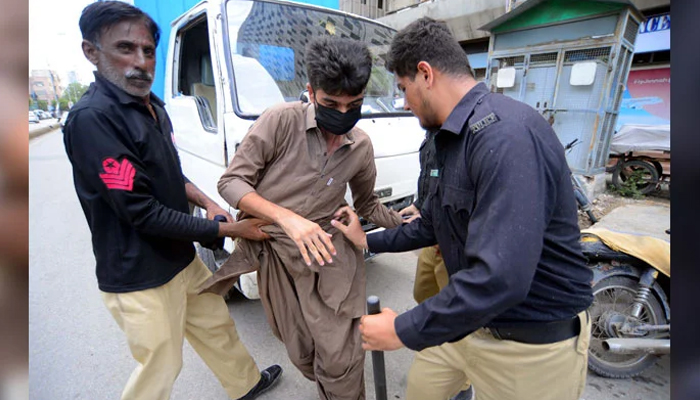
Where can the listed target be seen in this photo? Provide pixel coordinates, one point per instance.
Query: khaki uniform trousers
(431, 274)
(502, 369)
(431, 277)
(157, 320)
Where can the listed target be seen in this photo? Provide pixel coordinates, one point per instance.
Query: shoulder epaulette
(483, 123)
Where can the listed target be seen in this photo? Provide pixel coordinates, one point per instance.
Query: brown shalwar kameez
(314, 311)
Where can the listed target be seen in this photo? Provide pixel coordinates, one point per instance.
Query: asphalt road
(76, 350)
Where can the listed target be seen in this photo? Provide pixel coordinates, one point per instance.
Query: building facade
(465, 17)
(45, 85)
(373, 9)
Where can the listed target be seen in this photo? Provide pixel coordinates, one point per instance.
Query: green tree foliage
(630, 187)
(63, 103)
(73, 93)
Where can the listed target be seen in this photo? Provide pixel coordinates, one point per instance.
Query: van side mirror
(304, 96)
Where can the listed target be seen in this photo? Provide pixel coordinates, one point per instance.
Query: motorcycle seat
(596, 250)
(643, 250)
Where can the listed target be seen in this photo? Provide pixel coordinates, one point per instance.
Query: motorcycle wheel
(614, 297)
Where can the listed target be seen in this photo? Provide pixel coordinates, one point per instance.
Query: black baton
(377, 356)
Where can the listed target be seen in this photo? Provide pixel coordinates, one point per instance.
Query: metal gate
(542, 80)
(546, 75)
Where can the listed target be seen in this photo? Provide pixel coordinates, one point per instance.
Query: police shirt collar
(122, 96)
(459, 115)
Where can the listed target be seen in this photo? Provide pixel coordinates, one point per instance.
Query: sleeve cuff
(211, 230)
(376, 242)
(234, 191)
(407, 332)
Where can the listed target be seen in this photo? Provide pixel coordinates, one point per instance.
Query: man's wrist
(228, 229)
(206, 201)
(198, 197)
(364, 244)
(222, 230)
(280, 214)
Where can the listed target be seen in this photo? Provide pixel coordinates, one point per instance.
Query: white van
(230, 60)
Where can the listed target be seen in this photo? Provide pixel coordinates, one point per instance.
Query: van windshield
(267, 42)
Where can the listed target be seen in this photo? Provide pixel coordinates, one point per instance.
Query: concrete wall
(399, 4)
(369, 9)
(464, 17)
(647, 4)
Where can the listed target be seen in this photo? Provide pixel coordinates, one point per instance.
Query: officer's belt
(539, 332)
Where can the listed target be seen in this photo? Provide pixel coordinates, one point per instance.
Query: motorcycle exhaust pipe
(631, 346)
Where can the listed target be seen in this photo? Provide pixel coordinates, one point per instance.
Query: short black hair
(338, 65)
(427, 40)
(104, 14)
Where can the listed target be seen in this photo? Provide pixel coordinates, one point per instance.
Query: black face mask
(336, 122)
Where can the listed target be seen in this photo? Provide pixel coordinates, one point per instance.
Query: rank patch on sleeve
(483, 123)
(119, 176)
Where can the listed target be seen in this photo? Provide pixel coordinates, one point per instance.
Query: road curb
(40, 131)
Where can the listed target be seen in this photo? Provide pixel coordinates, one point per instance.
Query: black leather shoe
(465, 394)
(268, 377)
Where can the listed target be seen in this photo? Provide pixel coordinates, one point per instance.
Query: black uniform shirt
(130, 185)
(426, 155)
(504, 214)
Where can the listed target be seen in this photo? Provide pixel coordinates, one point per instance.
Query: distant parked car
(33, 119)
(42, 114)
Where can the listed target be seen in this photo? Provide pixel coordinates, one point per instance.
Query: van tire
(206, 255)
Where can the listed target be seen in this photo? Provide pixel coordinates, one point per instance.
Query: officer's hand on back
(352, 229)
(409, 213)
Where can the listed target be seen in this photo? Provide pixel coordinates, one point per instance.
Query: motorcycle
(583, 202)
(631, 313)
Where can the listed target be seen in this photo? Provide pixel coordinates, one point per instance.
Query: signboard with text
(647, 98)
(654, 34)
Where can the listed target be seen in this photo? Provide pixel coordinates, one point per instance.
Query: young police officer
(512, 318)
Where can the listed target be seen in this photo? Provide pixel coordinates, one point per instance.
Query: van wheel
(212, 259)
